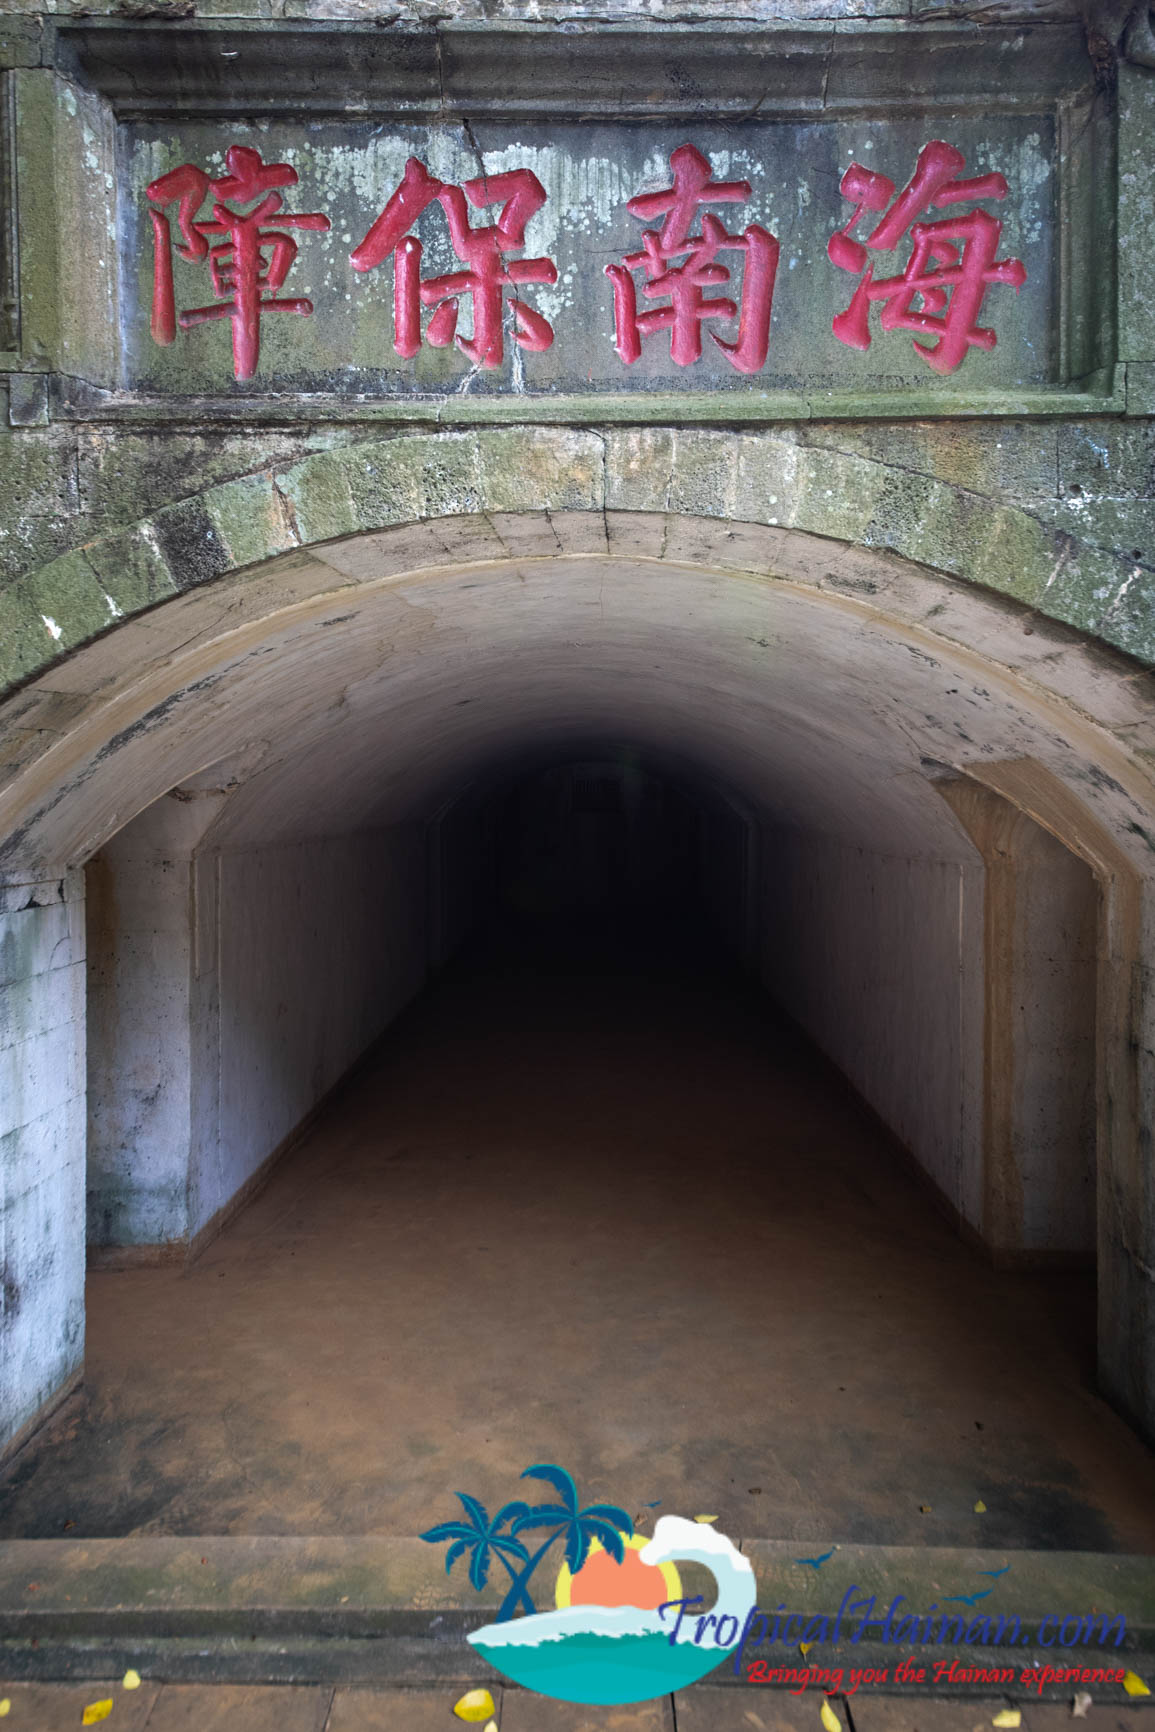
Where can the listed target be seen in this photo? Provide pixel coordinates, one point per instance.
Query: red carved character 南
(681, 287)
(483, 250)
(951, 261)
(248, 268)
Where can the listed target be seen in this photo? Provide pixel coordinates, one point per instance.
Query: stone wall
(42, 1019)
(112, 506)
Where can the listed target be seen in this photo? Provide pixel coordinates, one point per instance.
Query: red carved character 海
(680, 287)
(248, 268)
(484, 250)
(951, 261)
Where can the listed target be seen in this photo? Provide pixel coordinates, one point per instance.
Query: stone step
(366, 1610)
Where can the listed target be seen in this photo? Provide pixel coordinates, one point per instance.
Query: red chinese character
(951, 262)
(485, 250)
(248, 268)
(687, 307)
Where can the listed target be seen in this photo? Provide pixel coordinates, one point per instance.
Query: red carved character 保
(248, 267)
(484, 250)
(680, 288)
(952, 261)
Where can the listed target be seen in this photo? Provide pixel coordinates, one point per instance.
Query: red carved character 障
(248, 267)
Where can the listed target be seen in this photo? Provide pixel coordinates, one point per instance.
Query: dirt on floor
(618, 1217)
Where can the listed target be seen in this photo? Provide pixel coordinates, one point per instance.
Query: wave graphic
(616, 1654)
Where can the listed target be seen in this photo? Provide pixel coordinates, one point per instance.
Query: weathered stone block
(531, 468)
(50, 611)
(703, 478)
(1019, 556)
(38, 487)
(385, 483)
(123, 473)
(1006, 460)
(639, 468)
(191, 543)
(445, 471)
(132, 568)
(835, 495)
(1113, 459)
(28, 399)
(319, 493)
(1123, 526)
(1096, 591)
(252, 518)
(766, 478)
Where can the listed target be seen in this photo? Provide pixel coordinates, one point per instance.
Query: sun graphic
(602, 1582)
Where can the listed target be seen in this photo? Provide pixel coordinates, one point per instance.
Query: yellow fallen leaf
(804, 1648)
(131, 1680)
(1134, 1685)
(705, 1518)
(1008, 1717)
(475, 1705)
(980, 1507)
(492, 1727)
(830, 1719)
(96, 1711)
(5, 1707)
(924, 1509)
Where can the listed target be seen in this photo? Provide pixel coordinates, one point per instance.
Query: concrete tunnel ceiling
(400, 704)
(373, 705)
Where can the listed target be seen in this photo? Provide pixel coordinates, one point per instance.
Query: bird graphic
(817, 1563)
(968, 1599)
(1001, 1572)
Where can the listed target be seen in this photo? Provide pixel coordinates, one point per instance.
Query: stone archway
(820, 677)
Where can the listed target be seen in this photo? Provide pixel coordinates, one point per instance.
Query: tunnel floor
(623, 1219)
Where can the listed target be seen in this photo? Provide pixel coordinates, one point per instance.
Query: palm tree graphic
(481, 1538)
(605, 1522)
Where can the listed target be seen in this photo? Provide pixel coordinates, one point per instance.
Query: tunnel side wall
(228, 993)
(320, 945)
(1053, 988)
(880, 961)
(139, 1100)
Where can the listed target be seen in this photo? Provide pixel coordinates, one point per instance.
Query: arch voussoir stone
(770, 479)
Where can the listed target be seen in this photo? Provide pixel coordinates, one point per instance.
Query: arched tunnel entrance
(762, 1093)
